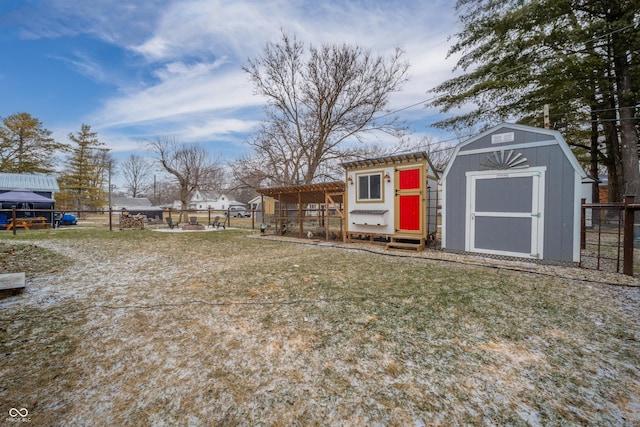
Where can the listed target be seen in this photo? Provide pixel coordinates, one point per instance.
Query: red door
(409, 201)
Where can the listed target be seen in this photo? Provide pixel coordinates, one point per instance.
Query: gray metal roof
(130, 202)
(13, 181)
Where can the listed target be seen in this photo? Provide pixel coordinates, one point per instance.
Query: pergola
(327, 193)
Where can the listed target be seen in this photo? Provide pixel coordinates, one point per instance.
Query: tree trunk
(613, 163)
(593, 167)
(626, 103)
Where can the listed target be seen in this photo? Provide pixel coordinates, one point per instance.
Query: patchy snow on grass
(191, 328)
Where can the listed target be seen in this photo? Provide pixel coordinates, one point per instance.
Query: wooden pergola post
(300, 225)
(327, 198)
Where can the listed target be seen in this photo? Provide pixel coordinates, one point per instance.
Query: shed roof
(31, 182)
(306, 193)
(131, 202)
(555, 135)
(387, 160)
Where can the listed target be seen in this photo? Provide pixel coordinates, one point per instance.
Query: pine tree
(82, 182)
(579, 57)
(26, 146)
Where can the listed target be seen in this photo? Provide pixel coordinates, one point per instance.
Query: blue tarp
(68, 219)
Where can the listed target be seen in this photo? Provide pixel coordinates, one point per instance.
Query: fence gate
(608, 236)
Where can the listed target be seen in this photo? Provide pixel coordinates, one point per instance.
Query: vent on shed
(499, 138)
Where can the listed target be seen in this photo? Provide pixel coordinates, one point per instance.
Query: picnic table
(28, 223)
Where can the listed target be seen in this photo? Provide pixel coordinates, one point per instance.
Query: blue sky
(138, 69)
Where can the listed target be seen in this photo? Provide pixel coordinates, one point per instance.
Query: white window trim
(368, 174)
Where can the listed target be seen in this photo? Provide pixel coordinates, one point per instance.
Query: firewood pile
(131, 222)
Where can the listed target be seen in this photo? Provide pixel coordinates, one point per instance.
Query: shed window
(369, 187)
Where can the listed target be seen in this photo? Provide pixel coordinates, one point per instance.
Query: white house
(205, 200)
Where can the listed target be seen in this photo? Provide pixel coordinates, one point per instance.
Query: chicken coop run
(309, 210)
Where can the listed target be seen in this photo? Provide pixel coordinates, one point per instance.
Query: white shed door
(506, 212)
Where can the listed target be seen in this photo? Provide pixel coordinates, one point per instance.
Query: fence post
(629, 212)
(13, 219)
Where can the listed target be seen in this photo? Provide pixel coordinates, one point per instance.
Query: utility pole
(547, 123)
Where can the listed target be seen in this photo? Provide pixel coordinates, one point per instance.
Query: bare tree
(137, 174)
(317, 101)
(189, 164)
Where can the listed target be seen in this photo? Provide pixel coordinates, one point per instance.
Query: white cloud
(183, 90)
(195, 49)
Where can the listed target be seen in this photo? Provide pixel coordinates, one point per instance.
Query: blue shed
(513, 190)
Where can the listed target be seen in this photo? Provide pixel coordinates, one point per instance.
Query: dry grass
(216, 328)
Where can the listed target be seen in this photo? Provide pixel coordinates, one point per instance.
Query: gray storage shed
(513, 190)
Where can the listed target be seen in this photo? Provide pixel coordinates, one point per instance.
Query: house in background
(255, 204)
(42, 185)
(393, 197)
(266, 212)
(514, 190)
(202, 200)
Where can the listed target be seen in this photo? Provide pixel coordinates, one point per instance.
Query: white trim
(443, 218)
(505, 214)
(508, 173)
(508, 147)
(577, 223)
(537, 208)
(369, 174)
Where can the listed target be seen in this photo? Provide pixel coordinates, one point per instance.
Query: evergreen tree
(26, 146)
(83, 180)
(578, 57)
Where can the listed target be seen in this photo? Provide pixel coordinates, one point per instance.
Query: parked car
(238, 212)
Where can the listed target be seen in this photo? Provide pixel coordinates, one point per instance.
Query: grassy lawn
(140, 327)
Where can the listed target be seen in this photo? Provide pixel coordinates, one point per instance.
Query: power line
(510, 70)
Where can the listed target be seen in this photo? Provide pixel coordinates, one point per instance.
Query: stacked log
(131, 222)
